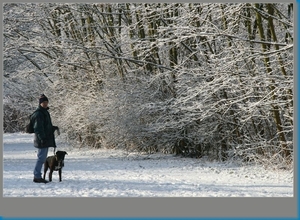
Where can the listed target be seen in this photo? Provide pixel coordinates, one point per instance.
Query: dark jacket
(43, 128)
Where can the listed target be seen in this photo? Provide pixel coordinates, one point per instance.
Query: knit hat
(43, 98)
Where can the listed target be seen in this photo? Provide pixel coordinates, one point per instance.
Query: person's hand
(56, 128)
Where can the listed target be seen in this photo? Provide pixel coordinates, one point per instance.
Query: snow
(117, 173)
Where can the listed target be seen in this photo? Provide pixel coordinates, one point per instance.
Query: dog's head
(60, 156)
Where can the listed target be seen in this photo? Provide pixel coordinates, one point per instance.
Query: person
(43, 136)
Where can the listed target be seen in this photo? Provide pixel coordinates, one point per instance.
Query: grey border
(155, 207)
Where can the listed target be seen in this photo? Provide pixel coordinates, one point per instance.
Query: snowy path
(115, 173)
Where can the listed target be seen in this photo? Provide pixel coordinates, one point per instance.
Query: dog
(55, 163)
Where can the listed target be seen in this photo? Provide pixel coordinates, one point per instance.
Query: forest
(191, 79)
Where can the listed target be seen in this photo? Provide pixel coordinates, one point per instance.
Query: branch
(255, 41)
(34, 63)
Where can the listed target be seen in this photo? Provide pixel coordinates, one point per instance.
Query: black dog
(55, 163)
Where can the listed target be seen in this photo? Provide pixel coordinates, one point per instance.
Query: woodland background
(194, 79)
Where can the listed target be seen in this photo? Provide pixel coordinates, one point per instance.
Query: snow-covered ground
(116, 173)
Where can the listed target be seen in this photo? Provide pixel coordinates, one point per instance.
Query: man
(43, 136)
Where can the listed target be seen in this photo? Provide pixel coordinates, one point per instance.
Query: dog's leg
(45, 168)
(59, 174)
(50, 174)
